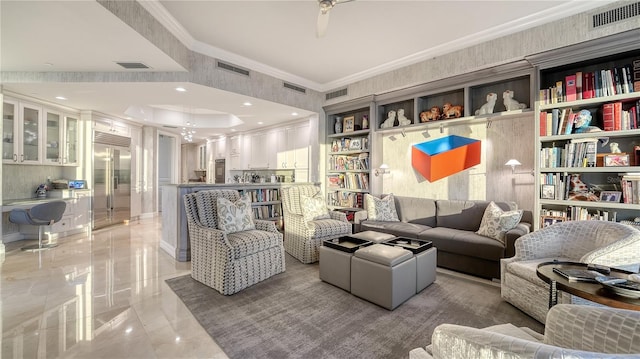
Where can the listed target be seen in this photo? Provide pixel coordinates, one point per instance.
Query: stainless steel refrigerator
(112, 184)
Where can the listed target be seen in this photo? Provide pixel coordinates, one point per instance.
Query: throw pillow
(235, 216)
(496, 222)
(381, 209)
(313, 208)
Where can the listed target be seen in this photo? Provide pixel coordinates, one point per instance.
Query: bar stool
(44, 214)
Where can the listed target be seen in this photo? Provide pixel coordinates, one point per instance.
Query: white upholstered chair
(230, 262)
(303, 238)
(599, 242)
(572, 331)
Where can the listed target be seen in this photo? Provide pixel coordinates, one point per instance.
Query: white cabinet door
(301, 150)
(235, 146)
(245, 153)
(10, 131)
(53, 137)
(221, 149)
(71, 141)
(259, 149)
(30, 140)
(280, 148)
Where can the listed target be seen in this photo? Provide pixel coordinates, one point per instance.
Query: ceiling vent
(233, 68)
(293, 87)
(614, 15)
(133, 65)
(111, 139)
(334, 94)
(169, 126)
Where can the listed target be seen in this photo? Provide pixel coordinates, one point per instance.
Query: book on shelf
(579, 85)
(543, 123)
(570, 84)
(555, 114)
(577, 275)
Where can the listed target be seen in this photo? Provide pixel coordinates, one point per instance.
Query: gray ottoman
(335, 267)
(373, 236)
(383, 275)
(426, 268)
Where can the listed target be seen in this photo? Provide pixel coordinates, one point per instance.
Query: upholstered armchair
(230, 251)
(304, 233)
(600, 242)
(572, 331)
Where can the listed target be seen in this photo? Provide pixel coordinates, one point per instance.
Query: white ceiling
(364, 38)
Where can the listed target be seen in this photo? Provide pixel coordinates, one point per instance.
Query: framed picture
(610, 196)
(349, 124)
(548, 191)
(549, 220)
(616, 160)
(355, 144)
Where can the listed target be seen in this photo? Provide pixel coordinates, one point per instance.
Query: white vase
(338, 125)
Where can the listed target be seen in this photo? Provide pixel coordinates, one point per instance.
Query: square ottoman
(383, 275)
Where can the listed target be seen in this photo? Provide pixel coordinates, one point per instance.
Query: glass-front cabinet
(53, 140)
(9, 128)
(22, 133)
(71, 135)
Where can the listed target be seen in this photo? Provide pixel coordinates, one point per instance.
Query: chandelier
(188, 131)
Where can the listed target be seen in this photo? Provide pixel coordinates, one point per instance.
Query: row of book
(350, 144)
(266, 211)
(262, 194)
(345, 199)
(354, 162)
(630, 184)
(348, 180)
(617, 118)
(577, 153)
(590, 84)
(577, 213)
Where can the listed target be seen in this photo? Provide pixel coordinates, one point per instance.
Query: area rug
(296, 315)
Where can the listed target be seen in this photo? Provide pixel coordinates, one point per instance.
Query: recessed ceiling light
(233, 130)
(61, 97)
(260, 123)
(246, 103)
(127, 118)
(294, 114)
(48, 64)
(181, 89)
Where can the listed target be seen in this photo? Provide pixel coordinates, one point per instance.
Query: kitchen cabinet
(111, 126)
(235, 160)
(61, 139)
(293, 150)
(22, 133)
(259, 158)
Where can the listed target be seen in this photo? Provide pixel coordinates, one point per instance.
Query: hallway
(98, 296)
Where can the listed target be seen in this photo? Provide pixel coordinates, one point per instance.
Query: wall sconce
(384, 168)
(513, 163)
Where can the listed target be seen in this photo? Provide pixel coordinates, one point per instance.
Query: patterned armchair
(230, 262)
(302, 238)
(572, 331)
(607, 243)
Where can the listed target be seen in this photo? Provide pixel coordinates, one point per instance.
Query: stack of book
(616, 118)
(590, 84)
(630, 183)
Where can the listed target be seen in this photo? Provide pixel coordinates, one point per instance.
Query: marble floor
(101, 295)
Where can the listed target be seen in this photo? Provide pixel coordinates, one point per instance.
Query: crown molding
(567, 9)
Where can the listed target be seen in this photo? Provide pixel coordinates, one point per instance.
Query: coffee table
(594, 292)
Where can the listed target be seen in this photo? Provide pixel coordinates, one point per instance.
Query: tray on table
(346, 244)
(414, 245)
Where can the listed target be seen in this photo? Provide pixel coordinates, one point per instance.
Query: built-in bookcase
(593, 172)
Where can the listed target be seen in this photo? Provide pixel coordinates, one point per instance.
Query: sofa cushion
(527, 269)
(464, 243)
(253, 241)
(235, 216)
(313, 207)
(496, 222)
(400, 229)
(464, 215)
(381, 209)
(331, 228)
(416, 210)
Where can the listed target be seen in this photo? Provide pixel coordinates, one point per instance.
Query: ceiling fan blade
(323, 22)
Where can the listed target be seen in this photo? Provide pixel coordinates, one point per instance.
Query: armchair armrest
(621, 254)
(584, 327)
(455, 341)
(199, 235)
(360, 216)
(512, 235)
(340, 216)
(264, 225)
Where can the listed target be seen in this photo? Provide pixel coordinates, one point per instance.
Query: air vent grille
(233, 68)
(334, 94)
(294, 87)
(133, 65)
(615, 15)
(111, 139)
(169, 126)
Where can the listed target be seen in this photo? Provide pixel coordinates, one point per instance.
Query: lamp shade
(513, 162)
